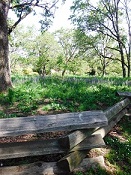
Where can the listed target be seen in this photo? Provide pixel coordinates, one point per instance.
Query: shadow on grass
(74, 97)
(120, 147)
(62, 96)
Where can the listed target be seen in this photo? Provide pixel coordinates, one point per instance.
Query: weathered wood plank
(74, 138)
(104, 130)
(73, 159)
(42, 147)
(124, 94)
(59, 122)
(43, 168)
(111, 112)
(93, 141)
(30, 148)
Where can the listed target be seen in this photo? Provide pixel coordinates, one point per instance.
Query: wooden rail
(87, 130)
(48, 123)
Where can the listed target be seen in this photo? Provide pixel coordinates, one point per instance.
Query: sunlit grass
(71, 94)
(65, 93)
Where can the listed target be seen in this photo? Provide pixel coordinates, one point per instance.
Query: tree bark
(63, 72)
(122, 59)
(5, 79)
(129, 51)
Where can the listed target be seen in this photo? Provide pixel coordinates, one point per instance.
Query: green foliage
(54, 106)
(68, 57)
(64, 94)
(22, 8)
(97, 24)
(72, 94)
(62, 53)
(3, 115)
(11, 95)
(96, 170)
(120, 153)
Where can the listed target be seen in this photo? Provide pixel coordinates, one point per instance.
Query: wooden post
(71, 140)
(76, 137)
(73, 159)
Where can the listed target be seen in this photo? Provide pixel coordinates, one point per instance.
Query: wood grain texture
(93, 141)
(72, 160)
(114, 110)
(30, 148)
(74, 138)
(59, 122)
(43, 147)
(104, 130)
(78, 153)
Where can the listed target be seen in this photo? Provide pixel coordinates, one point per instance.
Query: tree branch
(113, 48)
(10, 29)
(25, 4)
(33, 3)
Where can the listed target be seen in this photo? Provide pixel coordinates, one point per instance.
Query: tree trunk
(63, 72)
(129, 53)
(129, 67)
(5, 79)
(122, 60)
(103, 67)
(128, 21)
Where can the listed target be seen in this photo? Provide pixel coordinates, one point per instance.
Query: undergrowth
(56, 94)
(62, 95)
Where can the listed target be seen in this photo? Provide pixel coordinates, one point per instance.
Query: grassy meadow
(51, 95)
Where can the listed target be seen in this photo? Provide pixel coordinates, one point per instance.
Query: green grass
(120, 154)
(64, 94)
(94, 171)
(71, 94)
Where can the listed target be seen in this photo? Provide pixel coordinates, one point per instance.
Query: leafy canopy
(23, 8)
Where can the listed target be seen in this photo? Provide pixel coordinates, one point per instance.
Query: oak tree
(22, 9)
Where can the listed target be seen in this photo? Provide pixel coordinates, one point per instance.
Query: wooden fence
(85, 130)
